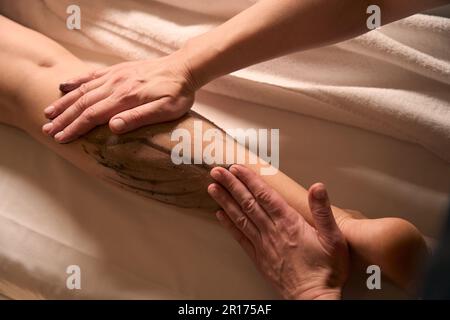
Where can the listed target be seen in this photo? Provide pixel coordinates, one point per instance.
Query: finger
(94, 116)
(74, 83)
(60, 105)
(75, 110)
(237, 234)
(227, 203)
(275, 206)
(323, 217)
(243, 197)
(153, 112)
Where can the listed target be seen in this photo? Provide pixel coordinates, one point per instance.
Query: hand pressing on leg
(301, 261)
(127, 96)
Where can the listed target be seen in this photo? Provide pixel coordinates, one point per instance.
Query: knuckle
(126, 94)
(230, 184)
(249, 205)
(263, 195)
(83, 88)
(95, 74)
(291, 231)
(117, 94)
(91, 115)
(132, 96)
(92, 75)
(81, 104)
(117, 78)
(242, 222)
(132, 92)
(322, 211)
(272, 203)
(278, 210)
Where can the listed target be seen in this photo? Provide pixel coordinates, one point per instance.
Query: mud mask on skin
(141, 162)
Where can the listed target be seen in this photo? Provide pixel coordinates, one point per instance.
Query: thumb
(323, 218)
(157, 111)
(149, 113)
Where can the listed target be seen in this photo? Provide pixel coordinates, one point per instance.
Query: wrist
(331, 295)
(201, 57)
(317, 294)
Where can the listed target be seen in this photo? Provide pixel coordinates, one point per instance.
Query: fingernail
(65, 87)
(49, 111)
(219, 215)
(59, 137)
(233, 169)
(212, 189)
(118, 125)
(215, 173)
(62, 87)
(46, 128)
(320, 193)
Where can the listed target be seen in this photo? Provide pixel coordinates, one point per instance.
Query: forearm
(272, 28)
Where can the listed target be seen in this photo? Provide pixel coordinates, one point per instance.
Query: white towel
(394, 81)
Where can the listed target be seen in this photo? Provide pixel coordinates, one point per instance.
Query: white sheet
(395, 80)
(128, 247)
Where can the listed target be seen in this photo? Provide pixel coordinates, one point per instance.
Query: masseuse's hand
(301, 261)
(128, 96)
